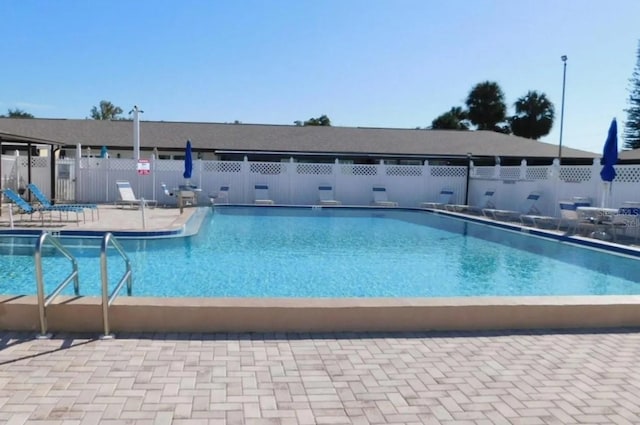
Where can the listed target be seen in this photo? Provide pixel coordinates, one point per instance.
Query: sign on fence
(144, 167)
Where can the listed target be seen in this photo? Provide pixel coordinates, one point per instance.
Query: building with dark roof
(260, 142)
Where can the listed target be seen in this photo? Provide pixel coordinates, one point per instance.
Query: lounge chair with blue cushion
(444, 198)
(262, 195)
(380, 197)
(325, 195)
(487, 202)
(128, 198)
(528, 208)
(46, 202)
(25, 208)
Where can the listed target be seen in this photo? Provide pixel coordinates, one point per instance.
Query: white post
(136, 132)
(77, 167)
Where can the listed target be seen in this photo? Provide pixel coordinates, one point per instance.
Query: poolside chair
(444, 198)
(46, 202)
(380, 197)
(128, 198)
(222, 197)
(570, 218)
(25, 208)
(626, 218)
(262, 195)
(487, 202)
(325, 195)
(528, 208)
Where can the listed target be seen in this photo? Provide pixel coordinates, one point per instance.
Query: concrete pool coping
(148, 314)
(185, 315)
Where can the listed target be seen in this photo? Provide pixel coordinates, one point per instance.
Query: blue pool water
(294, 252)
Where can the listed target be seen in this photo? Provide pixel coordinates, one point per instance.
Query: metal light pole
(136, 131)
(564, 79)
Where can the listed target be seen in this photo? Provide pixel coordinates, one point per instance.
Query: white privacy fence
(291, 183)
(513, 184)
(15, 172)
(295, 183)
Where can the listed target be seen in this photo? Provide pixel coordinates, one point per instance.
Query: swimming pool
(335, 252)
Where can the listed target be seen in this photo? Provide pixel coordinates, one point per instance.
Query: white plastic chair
(128, 198)
(380, 197)
(529, 210)
(262, 195)
(444, 198)
(487, 202)
(325, 195)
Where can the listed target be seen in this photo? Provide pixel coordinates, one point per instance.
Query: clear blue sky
(393, 63)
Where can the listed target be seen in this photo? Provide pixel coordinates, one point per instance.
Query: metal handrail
(107, 299)
(42, 301)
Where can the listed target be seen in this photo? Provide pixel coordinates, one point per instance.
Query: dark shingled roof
(283, 138)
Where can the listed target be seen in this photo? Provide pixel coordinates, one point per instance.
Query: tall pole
(136, 132)
(564, 79)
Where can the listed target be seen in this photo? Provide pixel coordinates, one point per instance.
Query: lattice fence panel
(510, 173)
(484, 172)
(359, 170)
(221, 167)
(114, 164)
(169, 165)
(537, 173)
(575, 174)
(404, 170)
(314, 169)
(627, 174)
(39, 162)
(448, 171)
(268, 168)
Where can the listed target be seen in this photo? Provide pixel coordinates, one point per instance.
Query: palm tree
(486, 107)
(534, 116)
(454, 119)
(107, 111)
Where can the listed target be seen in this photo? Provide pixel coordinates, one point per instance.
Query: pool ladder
(107, 299)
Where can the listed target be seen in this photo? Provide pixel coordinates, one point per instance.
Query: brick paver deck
(448, 378)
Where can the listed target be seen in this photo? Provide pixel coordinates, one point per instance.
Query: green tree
(534, 116)
(17, 113)
(107, 111)
(632, 125)
(322, 120)
(454, 119)
(486, 107)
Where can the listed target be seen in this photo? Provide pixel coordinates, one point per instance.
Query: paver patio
(449, 378)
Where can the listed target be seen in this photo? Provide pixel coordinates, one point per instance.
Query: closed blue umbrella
(609, 158)
(188, 161)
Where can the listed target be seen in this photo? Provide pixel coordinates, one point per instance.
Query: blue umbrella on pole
(609, 159)
(188, 161)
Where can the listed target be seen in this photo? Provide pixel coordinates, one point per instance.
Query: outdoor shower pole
(564, 79)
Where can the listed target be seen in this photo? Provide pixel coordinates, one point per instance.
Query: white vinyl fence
(290, 183)
(295, 183)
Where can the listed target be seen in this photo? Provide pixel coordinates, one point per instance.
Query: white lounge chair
(528, 209)
(570, 218)
(325, 195)
(444, 198)
(222, 197)
(262, 195)
(380, 197)
(128, 198)
(486, 202)
(628, 217)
